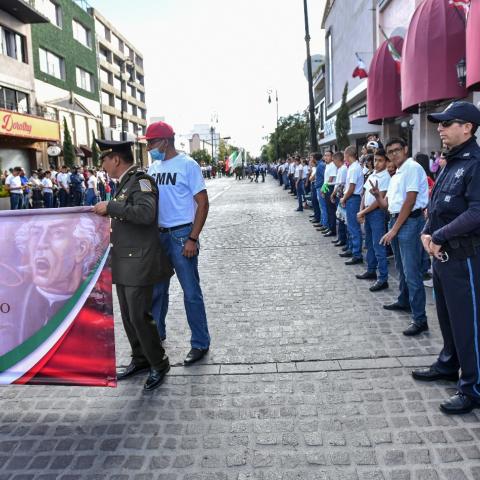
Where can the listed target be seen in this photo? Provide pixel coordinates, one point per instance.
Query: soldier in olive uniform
(137, 260)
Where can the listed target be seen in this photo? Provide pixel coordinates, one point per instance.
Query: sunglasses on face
(449, 123)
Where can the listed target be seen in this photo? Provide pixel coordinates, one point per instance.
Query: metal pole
(211, 131)
(276, 136)
(121, 100)
(313, 129)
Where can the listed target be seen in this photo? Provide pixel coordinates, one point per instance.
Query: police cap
(112, 146)
(461, 110)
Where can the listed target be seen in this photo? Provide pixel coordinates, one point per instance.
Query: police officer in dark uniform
(452, 237)
(137, 260)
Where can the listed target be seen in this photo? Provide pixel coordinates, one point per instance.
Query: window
(117, 43)
(51, 64)
(12, 44)
(104, 54)
(104, 76)
(106, 120)
(139, 61)
(141, 96)
(51, 10)
(100, 29)
(132, 127)
(81, 34)
(142, 113)
(84, 79)
(140, 79)
(329, 50)
(127, 51)
(133, 91)
(117, 83)
(14, 100)
(106, 98)
(118, 103)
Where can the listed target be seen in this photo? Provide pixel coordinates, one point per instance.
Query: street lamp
(462, 72)
(311, 108)
(277, 146)
(410, 125)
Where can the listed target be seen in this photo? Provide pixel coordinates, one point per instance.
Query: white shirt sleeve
(413, 179)
(195, 179)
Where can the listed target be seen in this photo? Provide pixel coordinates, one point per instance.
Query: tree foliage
(202, 156)
(342, 124)
(69, 155)
(95, 152)
(292, 135)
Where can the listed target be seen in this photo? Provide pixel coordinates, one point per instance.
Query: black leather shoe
(345, 248)
(367, 276)
(346, 254)
(131, 371)
(324, 229)
(459, 403)
(397, 307)
(354, 261)
(194, 355)
(155, 379)
(415, 329)
(431, 374)
(330, 234)
(340, 244)
(378, 285)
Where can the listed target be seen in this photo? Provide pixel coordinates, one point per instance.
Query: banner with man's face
(56, 316)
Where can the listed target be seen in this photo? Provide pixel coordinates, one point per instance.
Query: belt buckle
(444, 257)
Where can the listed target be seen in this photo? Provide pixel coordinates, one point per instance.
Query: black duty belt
(414, 214)
(171, 229)
(461, 248)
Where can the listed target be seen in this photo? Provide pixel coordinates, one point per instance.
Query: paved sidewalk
(300, 383)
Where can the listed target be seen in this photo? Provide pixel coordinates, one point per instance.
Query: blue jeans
(331, 210)
(376, 253)
(354, 229)
(315, 205)
(407, 249)
(16, 201)
(285, 181)
(48, 199)
(187, 274)
(323, 207)
(300, 193)
(90, 197)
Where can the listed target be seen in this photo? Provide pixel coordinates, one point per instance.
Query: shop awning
(86, 150)
(434, 44)
(79, 152)
(473, 47)
(383, 89)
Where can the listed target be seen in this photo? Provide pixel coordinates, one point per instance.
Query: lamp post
(125, 63)
(277, 145)
(311, 103)
(461, 67)
(410, 125)
(212, 131)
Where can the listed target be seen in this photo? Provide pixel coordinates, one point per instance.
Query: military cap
(460, 110)
(112, 146)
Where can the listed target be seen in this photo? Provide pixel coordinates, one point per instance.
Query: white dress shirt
(383, 179)
(355, 176)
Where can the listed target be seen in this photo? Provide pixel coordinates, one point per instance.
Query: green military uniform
(138, 263)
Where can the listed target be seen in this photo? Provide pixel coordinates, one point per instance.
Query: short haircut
(338, 156)
(395, 140)
(380, 152)
(329, 151)
(317, 156)
(351, 151)
(126, 156)
(17, 169)
(48, 172)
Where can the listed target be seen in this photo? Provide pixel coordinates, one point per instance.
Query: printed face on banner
(51, 270)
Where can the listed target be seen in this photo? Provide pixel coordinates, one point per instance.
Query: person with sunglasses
(452, 236)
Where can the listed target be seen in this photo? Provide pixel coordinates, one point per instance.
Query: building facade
(350, 30)
(24, 133)
(122, 82)
(66, 74)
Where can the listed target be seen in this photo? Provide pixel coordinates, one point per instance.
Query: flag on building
(397, 58)
(461, 4)
(360, 70)
(56, 320)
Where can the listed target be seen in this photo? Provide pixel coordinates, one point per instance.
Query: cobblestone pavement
(301, 382)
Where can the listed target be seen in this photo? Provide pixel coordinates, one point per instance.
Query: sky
(217, 58)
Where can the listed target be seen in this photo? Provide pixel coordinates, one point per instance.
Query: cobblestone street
(307, 377)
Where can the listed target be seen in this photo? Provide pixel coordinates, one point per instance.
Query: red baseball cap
(158, 130)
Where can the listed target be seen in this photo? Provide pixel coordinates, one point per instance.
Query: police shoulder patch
(145, 185)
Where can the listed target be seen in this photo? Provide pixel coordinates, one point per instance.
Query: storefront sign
(27, 126)
(54, 151)
(330, 126)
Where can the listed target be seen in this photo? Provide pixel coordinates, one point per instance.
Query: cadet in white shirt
(374, 218)
(14, 186)
(407, 197)
(329, 186)
(63, 182)
(351, 202)
(337, 194)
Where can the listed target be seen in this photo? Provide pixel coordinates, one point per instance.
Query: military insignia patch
(145, 185)
(459, 172)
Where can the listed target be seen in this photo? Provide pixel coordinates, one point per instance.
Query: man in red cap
(182, 211)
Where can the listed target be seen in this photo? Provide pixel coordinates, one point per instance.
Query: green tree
(223, 150)
(201, 156)
(342, 124)
(292, 136)
(95, 152)
(69, 155)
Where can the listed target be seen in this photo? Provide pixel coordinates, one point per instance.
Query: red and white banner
(56, 316)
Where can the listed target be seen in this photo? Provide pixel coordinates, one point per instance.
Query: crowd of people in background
(70, 187)
(356, 199)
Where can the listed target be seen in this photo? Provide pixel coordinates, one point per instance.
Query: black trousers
(457, 294)
(331, 211)
(140, 327)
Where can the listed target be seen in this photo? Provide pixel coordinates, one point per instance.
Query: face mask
(156, 154)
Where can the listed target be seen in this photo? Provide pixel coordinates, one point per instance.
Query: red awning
(383, 89)
(473, 47)
(434, 44)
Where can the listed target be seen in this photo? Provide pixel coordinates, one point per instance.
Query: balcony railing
(36, 111)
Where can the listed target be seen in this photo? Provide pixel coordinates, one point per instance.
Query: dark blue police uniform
(454, 223)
